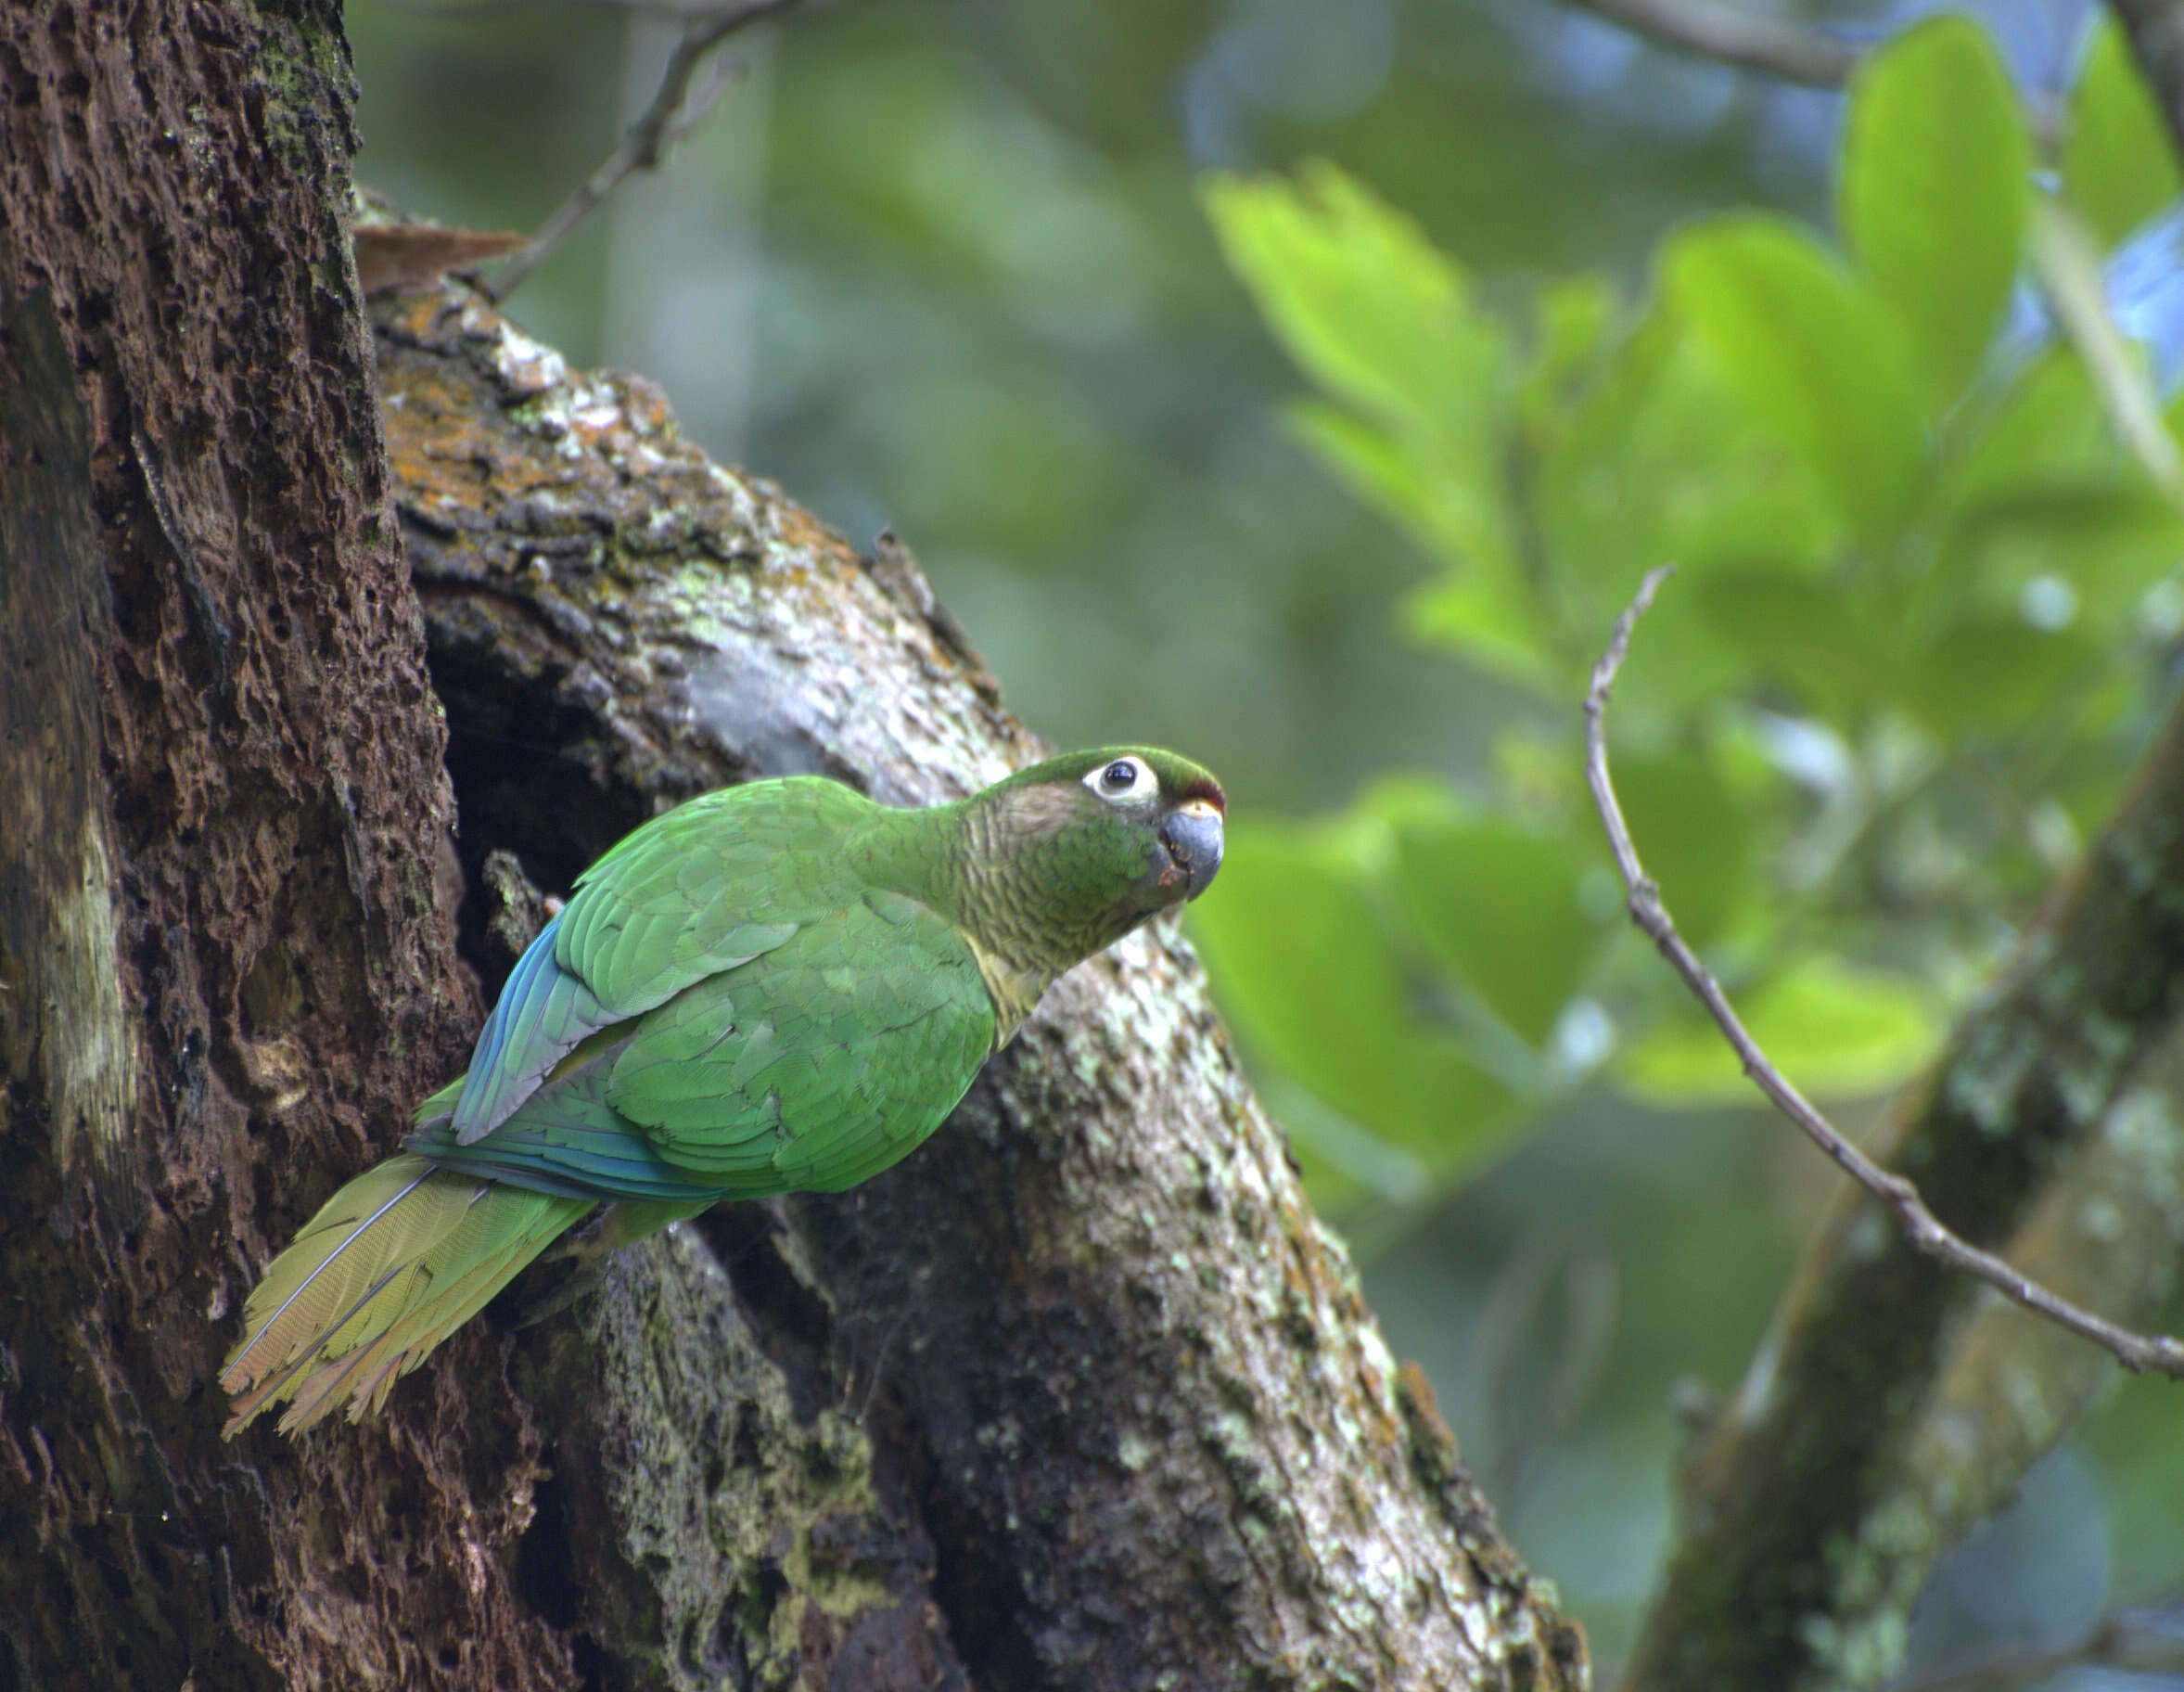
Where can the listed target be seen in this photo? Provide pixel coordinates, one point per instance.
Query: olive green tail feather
(391, 1265)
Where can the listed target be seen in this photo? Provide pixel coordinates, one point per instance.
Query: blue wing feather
(544, 1012)
(565, 1139)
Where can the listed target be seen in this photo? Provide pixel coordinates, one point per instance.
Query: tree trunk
(1082, 1395)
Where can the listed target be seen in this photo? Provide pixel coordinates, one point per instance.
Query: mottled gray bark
(1083, 1396)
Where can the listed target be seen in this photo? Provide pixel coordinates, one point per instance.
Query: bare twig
(1787, 51)
(2137, 1353)
(674, 110)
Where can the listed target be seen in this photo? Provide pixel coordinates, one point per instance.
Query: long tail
(392, 1264)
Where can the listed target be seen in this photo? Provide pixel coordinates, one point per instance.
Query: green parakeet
(774, 988)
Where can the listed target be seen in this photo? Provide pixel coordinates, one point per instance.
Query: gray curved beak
(1192, 833)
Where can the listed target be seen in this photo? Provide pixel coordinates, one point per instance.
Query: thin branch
(2136, 1353)
(1785, 51)
(674, 110)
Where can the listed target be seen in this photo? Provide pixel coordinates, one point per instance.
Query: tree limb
(1785, 51)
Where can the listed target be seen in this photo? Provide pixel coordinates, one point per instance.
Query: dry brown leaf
(400, 255)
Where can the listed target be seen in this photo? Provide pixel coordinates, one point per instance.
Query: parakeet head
(1108, 837)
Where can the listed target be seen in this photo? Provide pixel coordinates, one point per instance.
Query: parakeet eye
(1125, 779)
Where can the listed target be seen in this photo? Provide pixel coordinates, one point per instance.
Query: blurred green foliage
(1921, 604)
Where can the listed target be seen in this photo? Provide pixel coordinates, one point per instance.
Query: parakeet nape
(779, 987)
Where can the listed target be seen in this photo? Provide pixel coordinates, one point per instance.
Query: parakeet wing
(817, 1062)
(709, 885)
(568, 1141)
(808, 1066)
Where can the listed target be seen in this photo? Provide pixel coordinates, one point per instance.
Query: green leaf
(1829, 1028)
(1572, 319)
(1384, 472)
(1692, 835)
(2042, 489)
(1499, 906)
(1813, 354)
(2109, 544)
(2119, 164)
(2038, 489)
(1491, 623)
(1476, 607)
(1804, 633)
(1383, 321)
(1985, 673)
(2047, 429)
(1368, 307)
(1301, 962)
(1932, 189)
(1660, 462)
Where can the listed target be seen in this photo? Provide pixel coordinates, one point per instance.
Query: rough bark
(1893, 1404)
(1084, 1397)
(221, 951)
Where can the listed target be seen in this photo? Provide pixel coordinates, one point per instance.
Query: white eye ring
(1123, 781)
